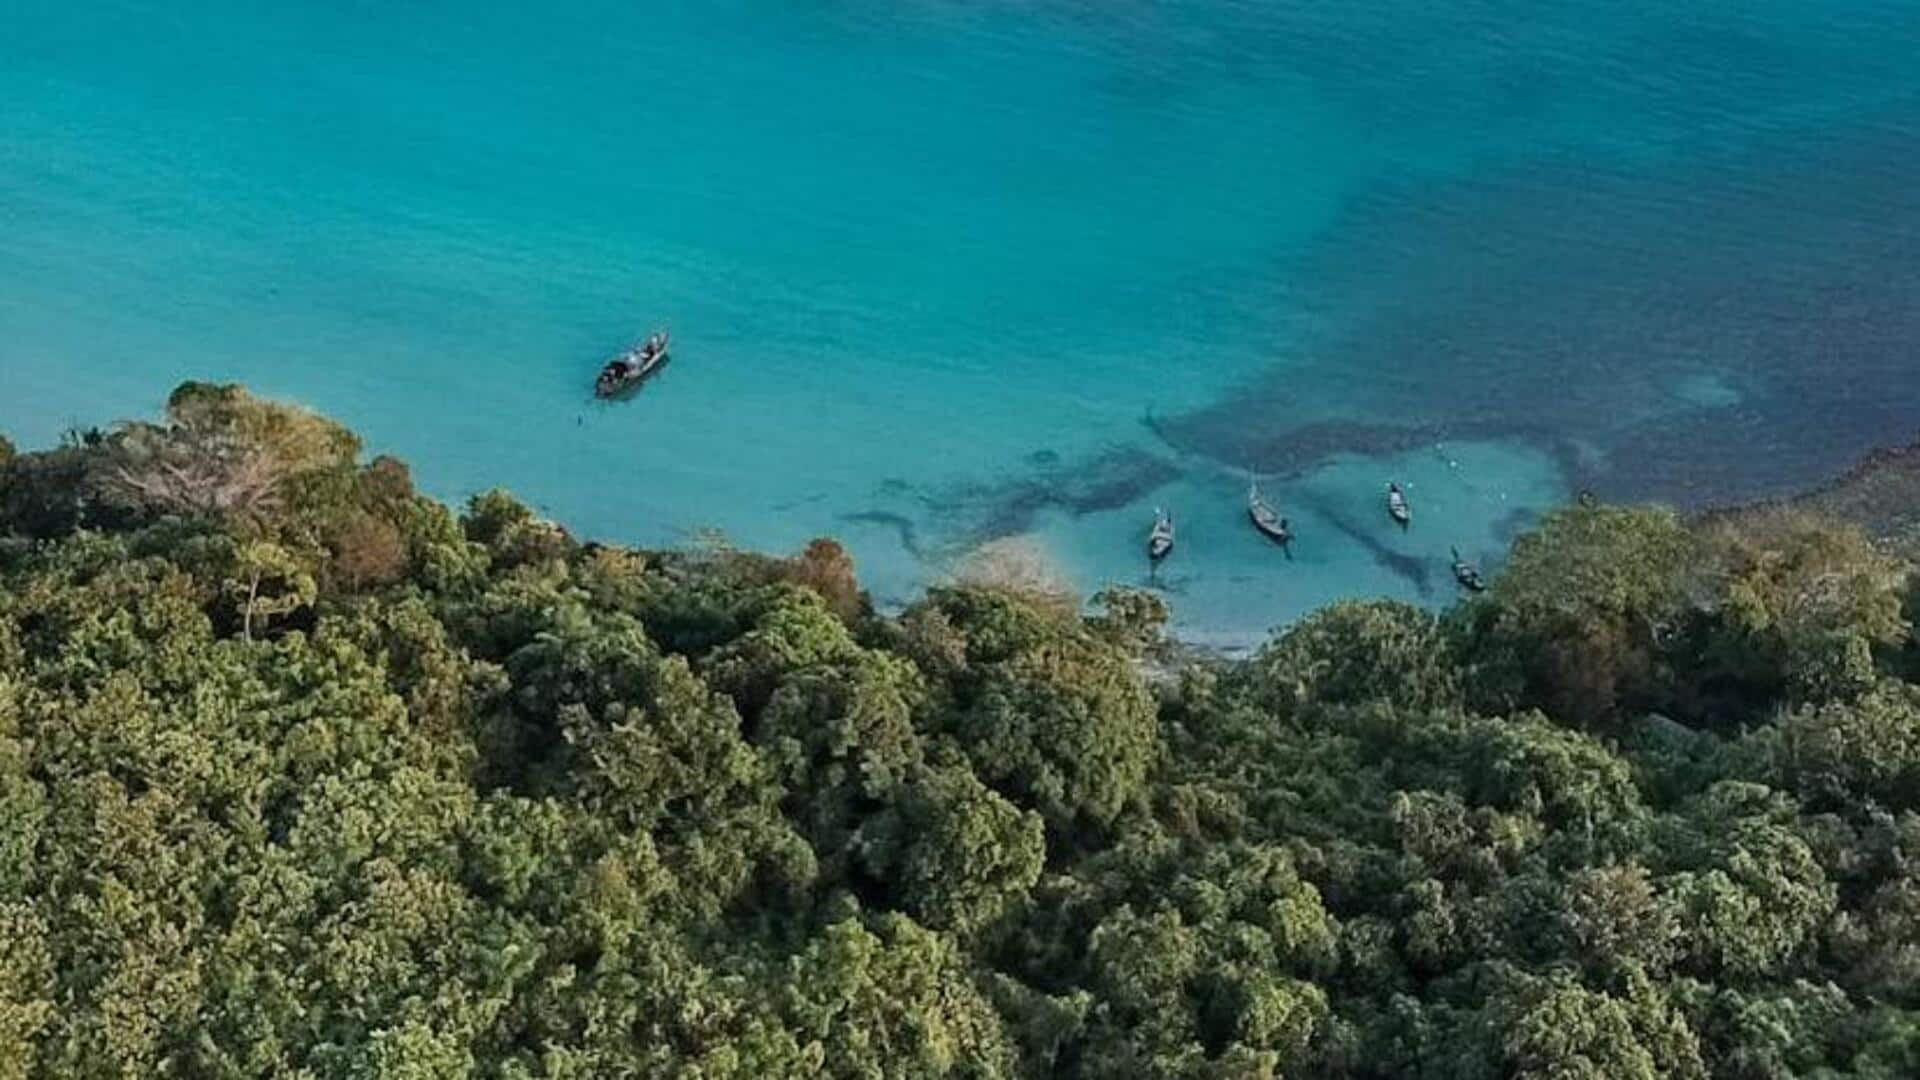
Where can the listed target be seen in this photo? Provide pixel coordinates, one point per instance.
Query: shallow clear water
(941, 271)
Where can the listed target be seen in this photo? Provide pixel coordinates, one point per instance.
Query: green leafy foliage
(1048, 712)
(1355, 652)
(1801, 605)
(304, 774)
(951, 853)
(1858, 753)
(1584, 610)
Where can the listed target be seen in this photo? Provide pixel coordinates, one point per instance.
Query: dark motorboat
(631, 368)
(1160, 539)
(1467, 574)
(1397, 507)
(1271, 525)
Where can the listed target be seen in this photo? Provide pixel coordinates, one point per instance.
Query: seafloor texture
(940, 272)
(1698, 336)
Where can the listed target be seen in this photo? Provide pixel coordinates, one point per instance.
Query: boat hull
(620, 386)
(1268, 527)
(1160, 537)
(1397, 508)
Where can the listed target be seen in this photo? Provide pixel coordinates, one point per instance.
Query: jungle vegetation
(303, 774)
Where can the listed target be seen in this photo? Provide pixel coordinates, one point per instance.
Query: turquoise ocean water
(943, 271)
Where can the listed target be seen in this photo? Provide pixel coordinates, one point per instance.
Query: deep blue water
(943, 271)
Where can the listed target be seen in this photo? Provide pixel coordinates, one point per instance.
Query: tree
(27, 981)
(840, 737)
(894, 1000)
(1585, 610)
(827, 569)
(1848, 753)
(1750, 895)
(1552, 1028)
(1799, 605)
(951, 853)
(368, 551)
(1063, 726)
(1615, 919)
(1132, 619)
(222, 452)
(268, 583)
(1355, 652)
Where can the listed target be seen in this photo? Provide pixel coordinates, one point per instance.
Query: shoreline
(1879, 493)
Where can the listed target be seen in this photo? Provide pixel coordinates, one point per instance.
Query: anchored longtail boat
(1271, 524)
(1467, 574)
(1397, 507)
(1160, 538)
(631, 368)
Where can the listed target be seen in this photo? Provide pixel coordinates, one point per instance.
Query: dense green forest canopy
(302, 774)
